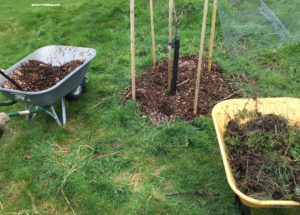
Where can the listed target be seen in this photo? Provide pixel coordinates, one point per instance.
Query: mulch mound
(152, 93)
(264, 156)
(35, 75)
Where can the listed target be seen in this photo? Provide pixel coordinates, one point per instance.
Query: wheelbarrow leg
(241, 209)
(64, 111)
(27, 107)
(55, 116)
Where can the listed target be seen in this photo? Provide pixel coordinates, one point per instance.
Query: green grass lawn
(109, 159)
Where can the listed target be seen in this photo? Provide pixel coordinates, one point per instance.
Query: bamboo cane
(212, 35)
(171, 11)
(199, 69)
(132, 48)
(152, 33)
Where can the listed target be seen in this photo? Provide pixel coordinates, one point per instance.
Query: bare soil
(264, 155)
(35, 75)
(153, 96)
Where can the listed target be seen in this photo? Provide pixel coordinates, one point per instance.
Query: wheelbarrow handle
(7, 103)
(5, 117)
(26, 112)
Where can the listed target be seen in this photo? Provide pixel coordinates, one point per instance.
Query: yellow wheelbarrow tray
(226, 110)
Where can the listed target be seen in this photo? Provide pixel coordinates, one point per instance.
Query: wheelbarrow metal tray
(226, 110)
(55, 55)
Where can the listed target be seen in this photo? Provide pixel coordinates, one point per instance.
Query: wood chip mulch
(152, 93)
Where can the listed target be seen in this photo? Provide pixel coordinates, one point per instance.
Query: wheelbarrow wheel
(75, 94)
(241, 209)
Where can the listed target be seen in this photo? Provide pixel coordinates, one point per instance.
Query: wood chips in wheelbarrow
(35, 76)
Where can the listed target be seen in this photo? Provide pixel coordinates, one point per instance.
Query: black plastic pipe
(175, 66)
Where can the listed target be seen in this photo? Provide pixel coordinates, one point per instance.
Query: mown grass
(109, 159)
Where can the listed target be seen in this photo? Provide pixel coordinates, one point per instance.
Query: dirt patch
(135, 181)
(152, 93)
(264, 154)
(35, 75)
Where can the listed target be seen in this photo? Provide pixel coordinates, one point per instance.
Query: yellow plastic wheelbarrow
(226, 110)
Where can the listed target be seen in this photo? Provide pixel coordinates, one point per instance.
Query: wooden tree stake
(152, 33)
(132, 48)
(170, 63)
(199, 69)
(212, 35)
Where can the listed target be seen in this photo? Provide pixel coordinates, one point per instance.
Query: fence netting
(250, 25)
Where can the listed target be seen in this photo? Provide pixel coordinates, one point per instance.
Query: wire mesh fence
(250, 25)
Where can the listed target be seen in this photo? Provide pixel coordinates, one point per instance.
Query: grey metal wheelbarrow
(70, 86)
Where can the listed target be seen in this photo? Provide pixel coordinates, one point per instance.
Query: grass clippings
(264, 154)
